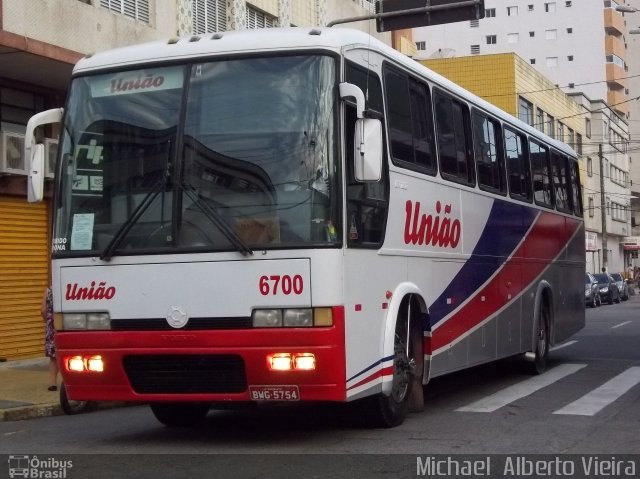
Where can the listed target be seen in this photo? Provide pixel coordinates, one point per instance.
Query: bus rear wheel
(182, 414)
(541, 353)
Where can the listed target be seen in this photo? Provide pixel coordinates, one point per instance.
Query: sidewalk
(23, 390)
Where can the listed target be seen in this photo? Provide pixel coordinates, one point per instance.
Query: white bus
(298, 215)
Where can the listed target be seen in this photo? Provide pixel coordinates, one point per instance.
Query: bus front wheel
(539, 363)
(391, 410)
(180, 414)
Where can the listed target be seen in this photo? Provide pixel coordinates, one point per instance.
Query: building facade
(40, 41)
(583, 49)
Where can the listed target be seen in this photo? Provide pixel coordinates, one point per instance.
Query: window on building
(569, 30)
(551, 34)
(567, 4)
(525, 111)
(570, 59)
(550, 126)
(539, 124)
(560, 135)
(492, 39)
(550, 7)
(421, 45)
(587, 127)
(513, 37)
(512, 11)
(475, 49)
(552, 61)
(532, 61)
(591, 208)
(474, 23)
(258, 19)
(532, 34)
(209, 16)
(589, 166)
(578, 146)
(571, 139)
(490, 12)
(530, 8)
(136, 9)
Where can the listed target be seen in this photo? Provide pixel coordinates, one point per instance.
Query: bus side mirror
(35, 191)
(367, 154)
(34, 152)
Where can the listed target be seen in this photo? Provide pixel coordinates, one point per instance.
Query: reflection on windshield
(254, 168)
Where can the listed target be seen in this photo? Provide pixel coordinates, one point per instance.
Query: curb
(31, 412)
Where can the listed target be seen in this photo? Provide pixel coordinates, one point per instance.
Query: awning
(631, 247)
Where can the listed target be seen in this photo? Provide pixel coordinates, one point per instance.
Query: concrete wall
(85, 28)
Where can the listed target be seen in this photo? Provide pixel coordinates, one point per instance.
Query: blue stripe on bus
(506, 227)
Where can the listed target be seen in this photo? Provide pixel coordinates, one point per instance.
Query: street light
(626, 9)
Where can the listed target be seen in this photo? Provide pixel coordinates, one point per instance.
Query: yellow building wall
(491, 77)
(501, 79)
(267, 6)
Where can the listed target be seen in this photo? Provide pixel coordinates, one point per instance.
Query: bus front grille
(186, 374)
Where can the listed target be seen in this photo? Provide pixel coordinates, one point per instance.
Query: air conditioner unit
(12, 160)
(50, 154)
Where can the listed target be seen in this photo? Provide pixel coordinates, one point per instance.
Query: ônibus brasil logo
(101, 291)
(429, 229)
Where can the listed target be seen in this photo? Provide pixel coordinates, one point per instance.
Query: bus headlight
(298, 318)
(84, 321)
(292, 318)
(267, 318)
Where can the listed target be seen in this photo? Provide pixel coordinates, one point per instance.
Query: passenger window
(488, 154)
(518, 170)
(410, 122)
(453, 138)
(561, 182)
(542, 186)
(575, 188)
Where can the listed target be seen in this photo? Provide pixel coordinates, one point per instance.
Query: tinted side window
(518, 171)
(541, 171)
(410, 123)
(453, 138)
(488, 153)
(575, 188)
(561, 182)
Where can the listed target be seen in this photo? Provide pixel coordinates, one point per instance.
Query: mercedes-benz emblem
(177, 317)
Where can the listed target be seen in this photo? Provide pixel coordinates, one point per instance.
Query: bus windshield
(226, 155)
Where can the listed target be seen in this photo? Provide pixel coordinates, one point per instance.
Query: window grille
(209, 16)
(136, 9)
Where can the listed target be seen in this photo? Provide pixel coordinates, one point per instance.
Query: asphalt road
(585, 404)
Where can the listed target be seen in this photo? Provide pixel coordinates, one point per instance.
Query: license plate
(274, 393)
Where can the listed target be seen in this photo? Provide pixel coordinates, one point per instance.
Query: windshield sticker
(82, 232)
(139, 81)
(59, 244)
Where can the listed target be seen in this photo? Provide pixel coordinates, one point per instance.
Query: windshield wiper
(124, 229)
(215, 218)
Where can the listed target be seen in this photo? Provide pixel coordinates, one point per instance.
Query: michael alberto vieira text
(521, 466)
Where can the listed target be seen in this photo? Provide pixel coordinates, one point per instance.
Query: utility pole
(603, 211)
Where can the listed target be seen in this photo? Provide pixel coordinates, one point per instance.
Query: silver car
(591, 291)
(622, 285)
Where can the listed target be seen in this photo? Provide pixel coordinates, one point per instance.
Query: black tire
(390, 411)
(182, 414)
(71, 407)
(539, 363)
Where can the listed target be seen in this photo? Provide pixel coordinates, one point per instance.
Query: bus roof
(277, 39)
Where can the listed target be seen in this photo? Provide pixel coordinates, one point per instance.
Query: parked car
(608, 289)
(622, 285)
(591, 291)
